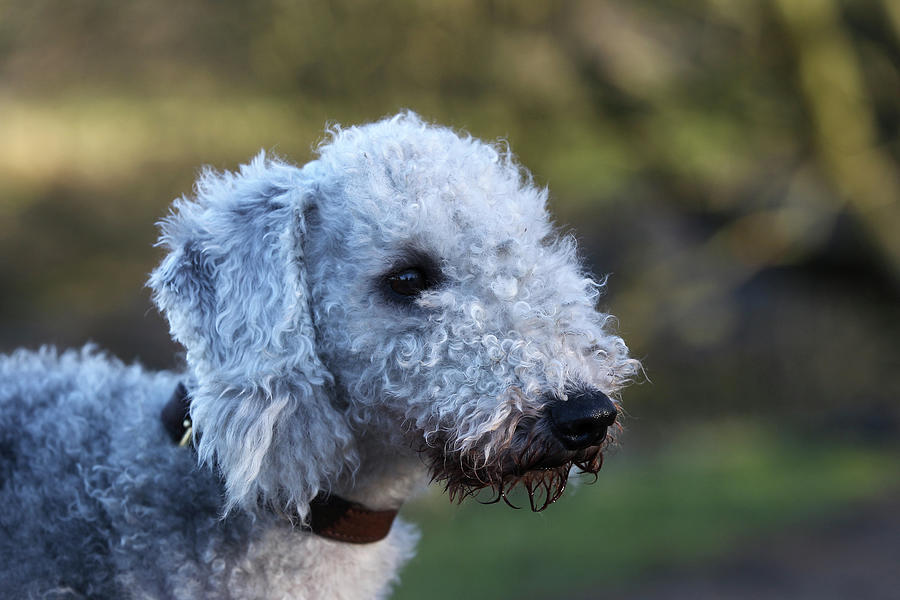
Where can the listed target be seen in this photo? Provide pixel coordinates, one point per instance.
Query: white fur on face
(276, 284)
(512, 319)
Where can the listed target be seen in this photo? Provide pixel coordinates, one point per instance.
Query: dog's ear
(234, 289)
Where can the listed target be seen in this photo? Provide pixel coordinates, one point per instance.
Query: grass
(691, 500)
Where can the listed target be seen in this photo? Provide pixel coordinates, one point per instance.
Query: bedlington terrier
(397, 310)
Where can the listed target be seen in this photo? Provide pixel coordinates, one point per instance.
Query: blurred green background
(734, 165)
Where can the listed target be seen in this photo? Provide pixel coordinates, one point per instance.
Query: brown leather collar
(334, 518)
(330, 516)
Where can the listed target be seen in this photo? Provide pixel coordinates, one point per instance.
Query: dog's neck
(388, 475)
(362, 505)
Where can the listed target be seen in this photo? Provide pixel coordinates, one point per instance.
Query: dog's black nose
(581, 421)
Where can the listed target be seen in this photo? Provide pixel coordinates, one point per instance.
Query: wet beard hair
(533, 459)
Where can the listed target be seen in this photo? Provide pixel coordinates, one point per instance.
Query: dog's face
(453, 316)
(406, 285)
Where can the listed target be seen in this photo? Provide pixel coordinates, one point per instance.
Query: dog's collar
(338, 519)
(330, 516)
(176, 416)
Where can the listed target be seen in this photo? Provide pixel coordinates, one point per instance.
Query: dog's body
(396, 310)
(97, 502)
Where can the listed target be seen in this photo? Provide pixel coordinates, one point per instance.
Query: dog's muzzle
(539, 455)
(581, 421)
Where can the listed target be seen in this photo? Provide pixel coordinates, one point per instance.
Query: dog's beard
(533, 460)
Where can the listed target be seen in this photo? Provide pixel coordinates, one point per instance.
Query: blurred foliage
(734, 165)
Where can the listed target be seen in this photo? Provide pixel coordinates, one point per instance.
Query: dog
(398, 310)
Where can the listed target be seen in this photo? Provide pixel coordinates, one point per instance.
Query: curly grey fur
(308, 375)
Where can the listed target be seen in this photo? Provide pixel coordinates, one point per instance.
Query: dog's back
(86, 475)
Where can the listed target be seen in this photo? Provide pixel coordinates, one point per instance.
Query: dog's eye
(409, 282)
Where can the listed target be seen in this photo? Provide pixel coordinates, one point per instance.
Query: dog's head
(407, 284)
